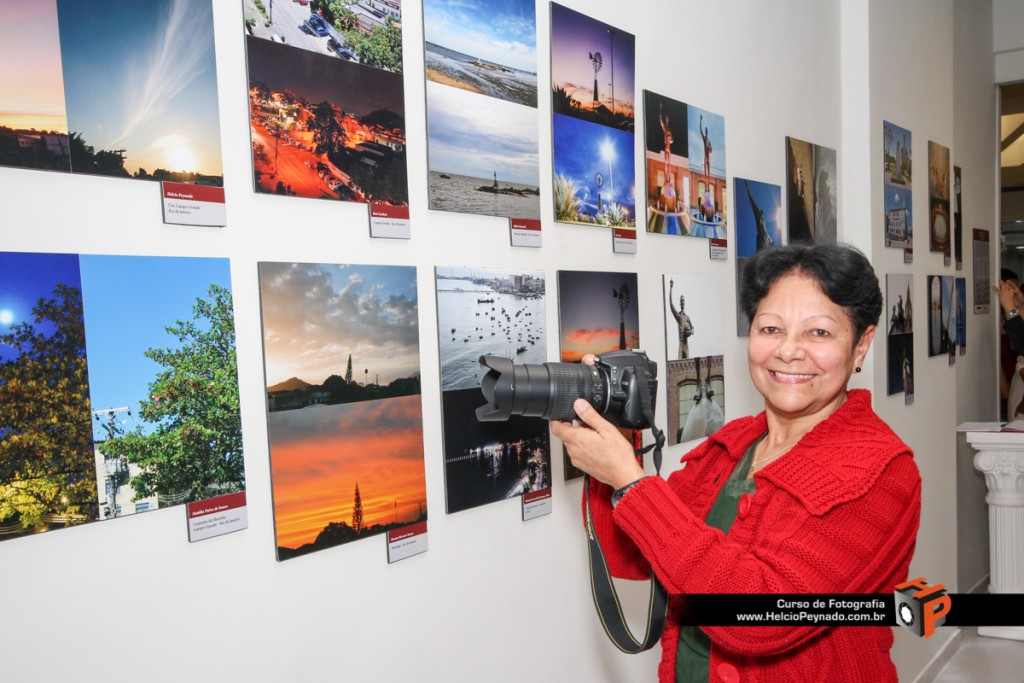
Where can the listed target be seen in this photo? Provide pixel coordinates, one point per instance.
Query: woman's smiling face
(802, 349)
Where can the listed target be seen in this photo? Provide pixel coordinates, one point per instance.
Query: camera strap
(606, 600)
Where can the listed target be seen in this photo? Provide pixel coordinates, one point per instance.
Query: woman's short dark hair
(844, 274)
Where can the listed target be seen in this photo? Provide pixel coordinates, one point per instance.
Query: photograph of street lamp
(482, 118)
(136, 93)
(597, 312)
(325, 128)
(592, 125)
(346, 449)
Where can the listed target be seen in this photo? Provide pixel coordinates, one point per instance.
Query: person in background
(1011, 338)
(816, 494)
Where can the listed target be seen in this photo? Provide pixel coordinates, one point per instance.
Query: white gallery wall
(495, 598)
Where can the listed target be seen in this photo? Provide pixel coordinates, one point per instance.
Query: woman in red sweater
(814, 495)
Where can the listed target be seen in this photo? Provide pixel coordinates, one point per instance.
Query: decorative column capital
(1004, 475)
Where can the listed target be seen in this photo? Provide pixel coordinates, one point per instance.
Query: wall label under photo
(718, 249)
(390, 221)
(623, 241)
(536, 504)
(407, 541)
(188, 204)
(525, 232)
(217, 516)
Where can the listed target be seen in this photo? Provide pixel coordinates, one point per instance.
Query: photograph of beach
(482, 119)
(592, 109)
(344, 411)
(325, 128)
(111, 88)
(489, 312)
(667, 164)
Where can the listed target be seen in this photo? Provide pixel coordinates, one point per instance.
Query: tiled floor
(984, 660)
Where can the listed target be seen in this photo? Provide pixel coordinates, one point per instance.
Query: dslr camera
(620, 386)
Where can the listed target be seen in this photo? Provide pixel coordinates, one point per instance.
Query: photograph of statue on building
(667, 165)
(897, 183)
(708, 192)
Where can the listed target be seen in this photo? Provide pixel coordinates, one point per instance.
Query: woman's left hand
(598, 448)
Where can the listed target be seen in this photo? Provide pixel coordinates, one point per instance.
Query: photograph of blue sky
(473, 135)
(316, 315)
(498, 31)
(29, 277)
(768, 199)
(140, 76)
(698, 120)
(128, 302)
(583, 149)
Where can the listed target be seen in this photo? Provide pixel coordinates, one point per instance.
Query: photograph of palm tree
(325, 128)
(346, 449)
(597, 312)
(592, 125)
(482, 125)
(758, 226)
(483, 312)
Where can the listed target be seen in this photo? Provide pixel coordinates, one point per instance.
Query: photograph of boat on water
(482, 117)
(592, 108)
(344, 411)
(489, 312)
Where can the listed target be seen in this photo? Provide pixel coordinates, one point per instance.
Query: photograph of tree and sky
(115, 398)
(327, 100)
(592, 104)
(346, 448)
(124, 89)
(482, 125)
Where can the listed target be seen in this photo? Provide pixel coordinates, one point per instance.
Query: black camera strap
(606, 600)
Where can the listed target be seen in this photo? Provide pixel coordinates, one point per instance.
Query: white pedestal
(1000, 457)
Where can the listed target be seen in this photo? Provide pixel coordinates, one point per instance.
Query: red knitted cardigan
(837, 514)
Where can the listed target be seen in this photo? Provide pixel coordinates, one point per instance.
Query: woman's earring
(857, 369)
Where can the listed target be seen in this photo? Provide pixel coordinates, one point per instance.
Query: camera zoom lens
(544, 390)
(568, 382)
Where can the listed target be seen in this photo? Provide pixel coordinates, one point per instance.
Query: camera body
(619, 386)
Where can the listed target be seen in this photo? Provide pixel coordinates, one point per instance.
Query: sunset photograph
(344, 412)
(595, 311)
(33, 122)
(140, 87)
